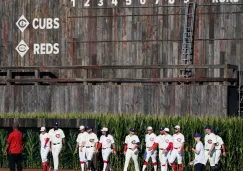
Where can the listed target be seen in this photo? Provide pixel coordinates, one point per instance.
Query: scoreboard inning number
(128, 2)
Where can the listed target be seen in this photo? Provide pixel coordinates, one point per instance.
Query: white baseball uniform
(210, 139)
(178, 140)
(219, 143)
(106, 142)
(56, 137)
(45, 146)
(131, 141)
(81, 141)
(163, 143)
(149, 140)
(90, 142)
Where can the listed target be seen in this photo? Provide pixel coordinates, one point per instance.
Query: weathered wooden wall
(179, 100)
(37, 123)
(150, 36)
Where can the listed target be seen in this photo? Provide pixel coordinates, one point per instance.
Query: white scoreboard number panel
(100, 3)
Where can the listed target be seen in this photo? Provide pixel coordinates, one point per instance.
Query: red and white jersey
(178, 140)
(163, 141)
(43, 138)
(209, 140)
(81, 138)
(56, 136)
(106, 141)
(131, 141)
(91, 140)
(150, 139)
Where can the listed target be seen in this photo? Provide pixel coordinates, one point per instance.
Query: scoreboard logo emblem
(22, 23)
(22, 48)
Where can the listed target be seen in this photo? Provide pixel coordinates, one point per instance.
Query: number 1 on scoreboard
(73, 1)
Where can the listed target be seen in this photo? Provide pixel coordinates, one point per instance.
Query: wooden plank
(98, 67)
(180, 100)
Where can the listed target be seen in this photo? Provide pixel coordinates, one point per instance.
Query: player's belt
(206, 149)
(56, 143)
(176, 148)
(161, 148)
(89, 146)
(148, 147)
(105, 148)
(130, 148)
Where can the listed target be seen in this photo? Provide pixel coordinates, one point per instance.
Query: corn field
(230, 129)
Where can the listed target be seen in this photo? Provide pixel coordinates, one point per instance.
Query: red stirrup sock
(173, 166)
(180, 167)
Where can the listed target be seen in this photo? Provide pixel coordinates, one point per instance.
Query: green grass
(230, 129)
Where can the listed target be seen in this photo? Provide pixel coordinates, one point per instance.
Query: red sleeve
(223, 148)
(155, 146)
(99, 146)
(170, 146)
(114, 149)
(47, 140)
(125, 148)
(10, 137)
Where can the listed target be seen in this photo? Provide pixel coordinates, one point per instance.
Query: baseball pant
(163, 159)
(217, 156)
(44, 153)
(134, 155)
(105, 156)
(210, 157)
(149, 154)
(175, 154)
(199, 167)
(89, 152)
(82, 157)
(15, 159)
(56, 149)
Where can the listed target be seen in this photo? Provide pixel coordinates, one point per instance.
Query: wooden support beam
(98, 67)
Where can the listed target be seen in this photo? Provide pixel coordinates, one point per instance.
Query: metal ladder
(187, 46)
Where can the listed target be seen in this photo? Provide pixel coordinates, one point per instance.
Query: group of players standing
(170, 148)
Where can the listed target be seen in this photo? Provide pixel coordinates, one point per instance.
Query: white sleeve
(96, 138)
(62, 134)
(221, 141)
(137, 140)
(214, 139)
(126, 141)
(198, 147)
(77, 139)
(183, 139)
(112, 140)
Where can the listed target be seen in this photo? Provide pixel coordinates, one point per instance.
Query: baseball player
(178, 148)
(199, 160)
(82, 136)
(218, 147)
(131, 149)
(150, 151)
(165, 142)
(90, 146)
(210, 143)
(106, 141)
(45, 148)
(57, 138)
